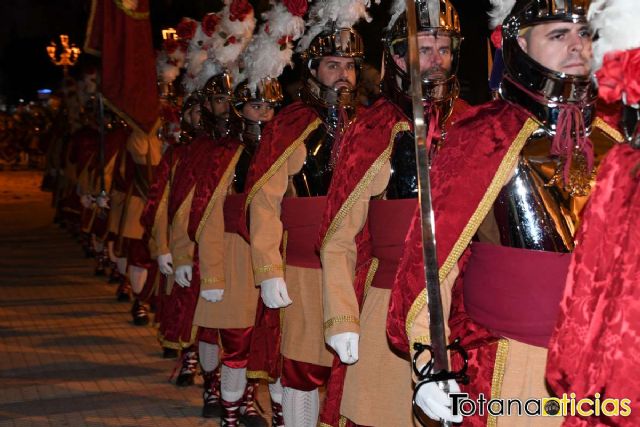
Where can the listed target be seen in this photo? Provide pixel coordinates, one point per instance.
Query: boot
(249, 415)
(139, 313)
(123, 293)
(101, 265)
(114, 277)
(277, 419)
(211, 407)
(230, 413)
(188, 369)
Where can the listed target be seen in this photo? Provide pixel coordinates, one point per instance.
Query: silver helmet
(219, 88)
(338, 42)
(440, 88)
(529, 83)
(267, 90)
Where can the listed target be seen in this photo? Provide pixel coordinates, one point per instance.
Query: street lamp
(69, 54)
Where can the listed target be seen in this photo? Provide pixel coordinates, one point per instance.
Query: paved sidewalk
(69, 353)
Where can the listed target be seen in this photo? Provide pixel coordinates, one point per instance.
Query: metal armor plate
(533, 210)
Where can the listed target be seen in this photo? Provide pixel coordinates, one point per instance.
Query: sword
(103, 191)
(437, 370)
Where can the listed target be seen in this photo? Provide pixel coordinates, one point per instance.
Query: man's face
(192, 115)
(564, 47)
(219, 106)
(436, 56)
(336, 72)
(257, 111)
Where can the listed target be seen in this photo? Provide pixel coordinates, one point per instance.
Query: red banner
(120, 32)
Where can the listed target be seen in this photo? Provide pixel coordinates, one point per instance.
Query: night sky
(30, 25)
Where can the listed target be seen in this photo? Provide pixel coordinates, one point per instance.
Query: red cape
(280, 138)
(594, 348)
(217, 157)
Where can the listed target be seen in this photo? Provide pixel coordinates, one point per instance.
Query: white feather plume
(616, 22)
(501, 9)
(233, 36)
(323, 13)
(271, 49)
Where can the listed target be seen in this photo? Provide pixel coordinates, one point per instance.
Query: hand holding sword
(436, 371)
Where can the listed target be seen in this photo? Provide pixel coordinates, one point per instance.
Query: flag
(120, 32)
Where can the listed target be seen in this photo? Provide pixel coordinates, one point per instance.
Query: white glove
(103, 202)
(165, 263)
(183, 275)
(138, 277)
(86, 200)
(436, 404)
(212, 295)
(346, 346)
(274, 293)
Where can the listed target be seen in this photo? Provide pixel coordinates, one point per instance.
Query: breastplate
(403, 183)
(315, 176)
(533, 210)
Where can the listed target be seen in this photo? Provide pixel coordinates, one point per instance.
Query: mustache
(347, 82)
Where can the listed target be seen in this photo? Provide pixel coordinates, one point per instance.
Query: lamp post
(69, 54)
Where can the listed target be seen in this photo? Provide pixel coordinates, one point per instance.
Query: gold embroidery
(220, 189)
(498, 376)
(373, 268)
(162, 207)
(505, 168)
(260, 375)
(606, 128)
(280, 161)
(184, 207)
(343, 421)
(364, 183)
(285, 237)
(345, 318)
(268, 268)
(210, 280)
(131, 13)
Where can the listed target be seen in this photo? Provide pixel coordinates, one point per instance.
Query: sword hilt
(427, 375)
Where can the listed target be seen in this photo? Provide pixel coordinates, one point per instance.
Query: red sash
(301, 218)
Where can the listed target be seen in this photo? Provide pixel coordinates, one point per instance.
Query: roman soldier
(361, 239)
(593, 348)
(286, 192)
(507, 190)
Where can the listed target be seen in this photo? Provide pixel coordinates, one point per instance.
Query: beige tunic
(144, 149)
(302, 336)
(378, 387)
(225, 263)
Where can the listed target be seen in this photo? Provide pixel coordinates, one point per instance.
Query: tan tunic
(225, 263)
(302, 336)
(144, 149)
(378, 387)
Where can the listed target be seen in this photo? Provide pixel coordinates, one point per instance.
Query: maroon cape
(466, 176)
(594, 348)
(280, 138)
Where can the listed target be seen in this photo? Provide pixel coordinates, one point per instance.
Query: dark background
(29, 26)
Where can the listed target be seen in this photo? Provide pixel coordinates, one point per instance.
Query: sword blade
(431, 271)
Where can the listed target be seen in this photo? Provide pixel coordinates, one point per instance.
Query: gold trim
(162, 207)
(345, 318)
(364, 183)
(210, 280)
(268, 268)
(504, 170)
(498, 376)
(180, 345)
(280, 161)
(608, 129)
(131, 13)
(87, 37)
(371, 274)
(220, 189)
(343, 421)
(184, 207)
(260, 375)
(285, 239)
